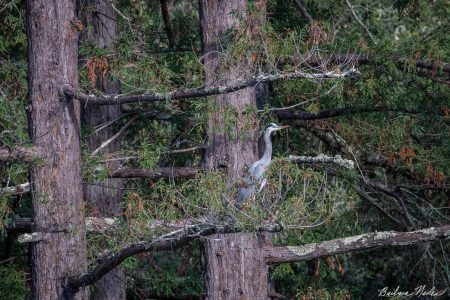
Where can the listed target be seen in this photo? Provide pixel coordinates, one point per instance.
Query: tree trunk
(57, 197)
(236, 267)
(100, 21)
(231, 146)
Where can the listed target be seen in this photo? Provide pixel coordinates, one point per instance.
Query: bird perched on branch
(258, 168)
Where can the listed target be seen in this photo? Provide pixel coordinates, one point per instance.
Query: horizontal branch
(18, 189)
(19, 225)
(21, 154)
(175, 172)
(101, 225)
(378, 206)
(355, 243)
(199, 92)
(322, 158)
(183, 172)
(23, 225)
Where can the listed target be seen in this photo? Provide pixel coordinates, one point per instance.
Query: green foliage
(13, 283)
(5, 213)
(171, 274)
(13, 39)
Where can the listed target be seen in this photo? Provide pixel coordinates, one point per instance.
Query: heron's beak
(281, 127)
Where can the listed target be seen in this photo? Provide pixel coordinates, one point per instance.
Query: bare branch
(322, 158)
(184, 172)
(303, 11)
(19, 225)
(360, 59)
(201, 92)
(375, 204)
(338, 144)
(115, 136)
(18, 189)
(355, 243)
(22, 154)
(165, 172)
(357, 19)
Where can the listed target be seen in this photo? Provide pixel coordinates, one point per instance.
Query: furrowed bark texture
(231, 146)
(99, 19)
(236, 267)
(57, 197)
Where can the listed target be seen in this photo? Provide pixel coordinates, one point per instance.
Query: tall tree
(230, 148)
(57, 197)
(229, 266)
(101, 28)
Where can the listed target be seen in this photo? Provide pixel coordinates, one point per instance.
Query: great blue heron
(258, 168)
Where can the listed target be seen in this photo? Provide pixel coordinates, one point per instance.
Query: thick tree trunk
(100, 20)
(231, 146)
(57, 197)
(236, 267)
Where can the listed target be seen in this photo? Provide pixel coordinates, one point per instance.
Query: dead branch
(356, 59)
(322, 158)
(183, 172)
(303, 11)
(355, 243)
(338, 144)
(375, 204)
(115, 136)
(200, 92)
(18, 189)
(19, 154)
(359, 21)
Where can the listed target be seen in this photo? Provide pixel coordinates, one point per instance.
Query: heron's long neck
(267, 156)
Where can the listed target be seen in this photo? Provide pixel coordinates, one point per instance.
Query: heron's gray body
(258, 168)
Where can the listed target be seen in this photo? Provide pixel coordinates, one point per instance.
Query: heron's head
(274, 127)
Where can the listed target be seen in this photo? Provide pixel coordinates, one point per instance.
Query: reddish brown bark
(57, 197)
(101, 29)
(236, 267)
(232, 147)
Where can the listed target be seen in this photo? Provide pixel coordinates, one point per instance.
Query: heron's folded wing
(257, 171)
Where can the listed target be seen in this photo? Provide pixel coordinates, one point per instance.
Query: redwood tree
(232, 271)
(100, 29)
(57, 197)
